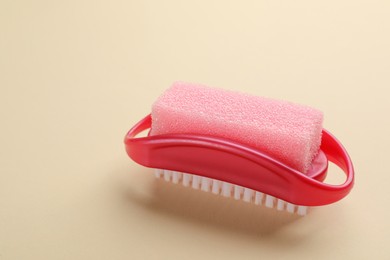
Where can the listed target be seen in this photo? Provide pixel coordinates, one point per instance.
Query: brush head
(288, 132)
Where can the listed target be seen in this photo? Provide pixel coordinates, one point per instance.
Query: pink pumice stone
(288, 132)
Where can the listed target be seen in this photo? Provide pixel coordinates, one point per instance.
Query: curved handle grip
(242, 165)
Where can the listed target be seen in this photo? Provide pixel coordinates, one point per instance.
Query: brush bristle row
(229, 190)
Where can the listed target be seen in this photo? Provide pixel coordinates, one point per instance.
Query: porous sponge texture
(288, 132)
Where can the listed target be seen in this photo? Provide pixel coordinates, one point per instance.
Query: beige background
(76, 75)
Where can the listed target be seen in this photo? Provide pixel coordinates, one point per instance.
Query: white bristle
(227, 189)
(302, 210)
(258, 197)
(195, 182)
(269, 201)
(187, 179)
(280, 205)
(248, 193)
(167, 175)
(205, 184)
(290, 207)
(158, 173)
(216, 186)
(237, 192)
(176, 177)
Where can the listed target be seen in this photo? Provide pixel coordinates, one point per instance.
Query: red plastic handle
(232, 162)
